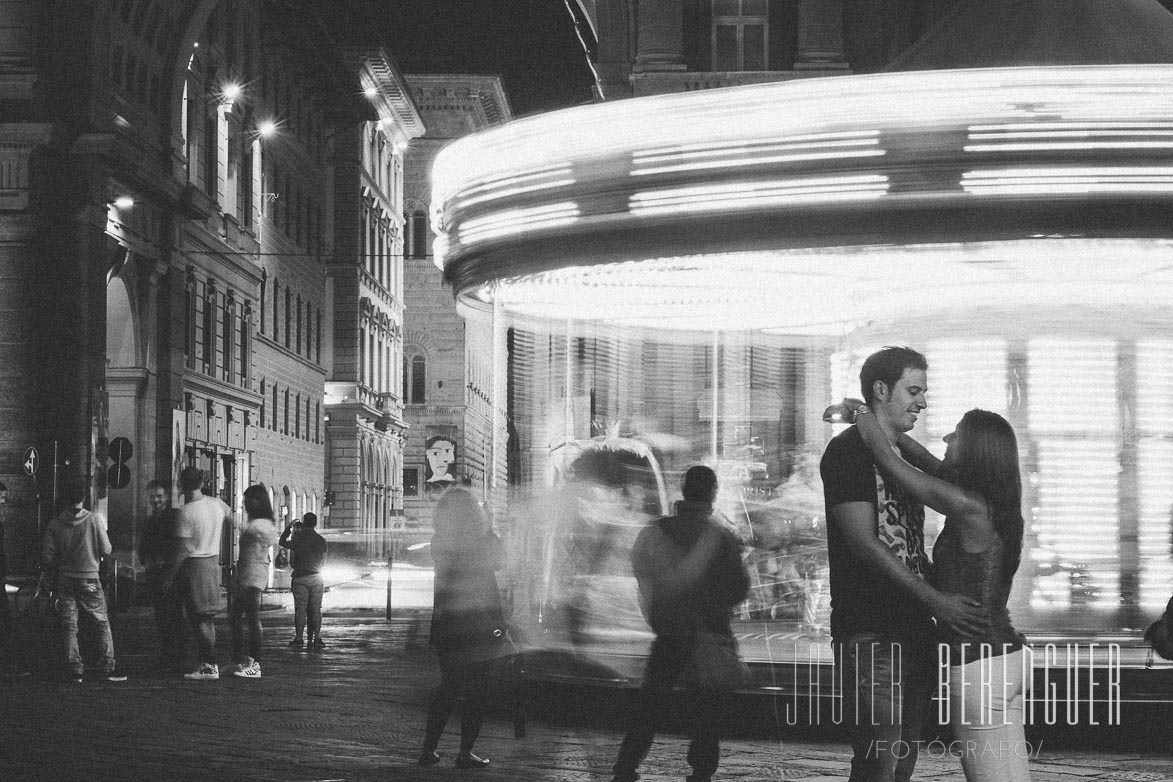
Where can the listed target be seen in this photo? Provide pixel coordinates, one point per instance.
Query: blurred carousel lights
(793, 206)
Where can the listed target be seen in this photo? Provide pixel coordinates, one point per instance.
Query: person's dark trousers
(7, 639)
(459, 681)
(669, 661)
(887, 686)
(168, 607)
(246, 609)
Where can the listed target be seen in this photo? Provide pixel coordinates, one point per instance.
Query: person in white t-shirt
(199, 528)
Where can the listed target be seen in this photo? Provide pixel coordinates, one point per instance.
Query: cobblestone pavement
(355, 711)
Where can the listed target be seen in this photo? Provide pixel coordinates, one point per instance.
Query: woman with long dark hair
(258, 535)
(979, 491)
(468, 624)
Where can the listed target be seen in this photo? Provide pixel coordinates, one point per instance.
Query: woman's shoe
(471, 761)
(429, 758)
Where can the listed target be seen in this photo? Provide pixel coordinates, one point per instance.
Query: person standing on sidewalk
(7, 637)
(157, 549)
(468, 623)
(257, 537)
(74, 545)
(882, 606)
(690, 577)
(197, 566)
(307, 557)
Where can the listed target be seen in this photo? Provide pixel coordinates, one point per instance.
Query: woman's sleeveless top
(979, 576)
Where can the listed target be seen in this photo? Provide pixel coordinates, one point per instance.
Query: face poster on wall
(440, 470)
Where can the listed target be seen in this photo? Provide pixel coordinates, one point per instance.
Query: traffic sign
(32, 460)
(118, 476)
(120, 450)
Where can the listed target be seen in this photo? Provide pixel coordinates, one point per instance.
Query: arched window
(419, 380)
(419, 234)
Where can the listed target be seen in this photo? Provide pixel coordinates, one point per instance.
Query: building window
(411, 481)
(288, 308)
(417, 240)
(740, 35)
(274, 407)
(264, 293)
(262, 402)
(297, 416)
(297, 342)
(419, 380)
(285, 427)
(317, 422)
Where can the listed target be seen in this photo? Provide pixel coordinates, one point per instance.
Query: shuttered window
(1074, 417)
(1154, 425)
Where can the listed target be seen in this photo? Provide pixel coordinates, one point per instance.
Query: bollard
(390, 561)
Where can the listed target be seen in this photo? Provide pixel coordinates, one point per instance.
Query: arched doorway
(126, 378)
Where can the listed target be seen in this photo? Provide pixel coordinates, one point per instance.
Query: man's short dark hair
(191, 478)
(73, 490)
(888, 365)
(159, 484)
(310, 519)
(700, 484)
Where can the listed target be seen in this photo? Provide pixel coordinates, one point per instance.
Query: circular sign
(118, 476)
(120, 450)
(32, 460)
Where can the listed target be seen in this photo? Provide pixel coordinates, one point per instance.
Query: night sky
(531, 44)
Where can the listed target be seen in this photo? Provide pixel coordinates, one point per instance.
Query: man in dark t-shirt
(882, 609)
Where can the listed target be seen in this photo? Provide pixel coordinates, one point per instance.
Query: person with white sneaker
(197, 566)
(74, 543)
(258, 535)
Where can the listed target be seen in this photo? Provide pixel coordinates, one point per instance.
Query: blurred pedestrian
(307, 557)
(258, 534)
(690, 577)
(468, 625)
(7, 638)
(157, 549)
(74, 545)
(197, 566)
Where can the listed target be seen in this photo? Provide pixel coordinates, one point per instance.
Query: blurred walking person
(468, 624)
(74, 545)
(690, 577)
(307, 557)
(258, 535)
(197, 566)
(157, 549)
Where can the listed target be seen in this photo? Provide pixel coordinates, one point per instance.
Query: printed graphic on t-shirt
(900, 524)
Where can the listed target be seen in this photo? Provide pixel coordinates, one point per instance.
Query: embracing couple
(891, 606)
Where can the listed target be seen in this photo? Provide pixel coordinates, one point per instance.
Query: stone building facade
(365, 428)
(168, 197)
(453, 365)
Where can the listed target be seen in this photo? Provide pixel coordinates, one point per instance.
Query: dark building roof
(994, 33)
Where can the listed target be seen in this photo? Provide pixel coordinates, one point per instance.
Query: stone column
(820, 35)
(660, 36)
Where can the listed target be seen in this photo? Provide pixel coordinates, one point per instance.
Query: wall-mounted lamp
(371, 92)
(124, 202)
(266, 128)
(229, 93)
(3, 494)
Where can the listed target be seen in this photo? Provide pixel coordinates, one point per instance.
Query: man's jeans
(85, 596)
(307, 603)
(887, 686)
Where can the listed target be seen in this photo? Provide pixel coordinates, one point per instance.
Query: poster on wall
(178, 438)
(440, 466)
